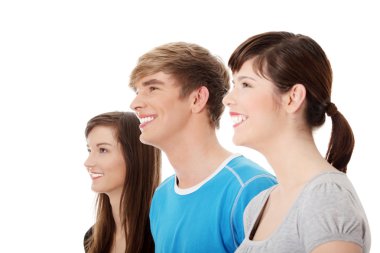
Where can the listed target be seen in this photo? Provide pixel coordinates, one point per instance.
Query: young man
(179, 91)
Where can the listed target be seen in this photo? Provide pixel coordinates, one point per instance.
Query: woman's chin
(238, 140)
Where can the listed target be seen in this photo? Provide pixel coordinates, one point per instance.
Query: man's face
(162, 113)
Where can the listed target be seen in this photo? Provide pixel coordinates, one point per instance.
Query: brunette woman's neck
(296, 160)
(119, 243)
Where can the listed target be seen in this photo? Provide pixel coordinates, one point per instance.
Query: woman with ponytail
(124, 173)
(282, 92)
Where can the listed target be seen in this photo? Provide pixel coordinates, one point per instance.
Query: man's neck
(195, 159)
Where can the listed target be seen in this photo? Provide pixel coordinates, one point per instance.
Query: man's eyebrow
(152, 82)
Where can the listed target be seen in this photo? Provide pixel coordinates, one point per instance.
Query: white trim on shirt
(185, 191)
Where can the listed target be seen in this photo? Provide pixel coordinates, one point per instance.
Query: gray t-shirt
(327, 209)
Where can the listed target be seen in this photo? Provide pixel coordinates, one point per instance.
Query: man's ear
(294, 98)
(198, 99)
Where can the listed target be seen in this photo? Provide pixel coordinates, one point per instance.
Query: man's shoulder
(246, 170)
(168, 182)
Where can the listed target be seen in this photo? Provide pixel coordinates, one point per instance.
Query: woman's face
(105, 162)
(253, 108)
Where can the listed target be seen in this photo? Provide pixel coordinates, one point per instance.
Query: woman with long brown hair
(124, 173)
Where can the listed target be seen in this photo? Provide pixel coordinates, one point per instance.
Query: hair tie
(331, 109)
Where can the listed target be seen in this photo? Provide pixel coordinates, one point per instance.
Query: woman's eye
(245, 85)
(102, 150)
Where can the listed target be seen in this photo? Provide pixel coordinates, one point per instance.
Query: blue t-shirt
(209, 216)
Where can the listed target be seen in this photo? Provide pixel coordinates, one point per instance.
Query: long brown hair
(287, 59)
(143, 164)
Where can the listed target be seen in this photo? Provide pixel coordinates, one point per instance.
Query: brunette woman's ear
(295, 98)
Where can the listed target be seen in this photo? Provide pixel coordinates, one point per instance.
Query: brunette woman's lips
(95, 175)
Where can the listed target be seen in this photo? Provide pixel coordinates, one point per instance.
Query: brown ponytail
(342, 140)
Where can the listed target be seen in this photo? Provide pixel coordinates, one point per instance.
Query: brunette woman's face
(105, 162)
(253, 108)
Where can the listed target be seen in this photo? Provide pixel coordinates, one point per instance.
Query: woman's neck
(115, 205)
(119, 243)
(295, 160)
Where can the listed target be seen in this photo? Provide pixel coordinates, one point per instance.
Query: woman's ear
(295, 97)
(199, 99)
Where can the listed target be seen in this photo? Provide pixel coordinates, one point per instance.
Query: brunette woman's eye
(102, 150)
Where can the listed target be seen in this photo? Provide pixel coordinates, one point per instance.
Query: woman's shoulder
(330, 198)
(333, 182)
(331, 210)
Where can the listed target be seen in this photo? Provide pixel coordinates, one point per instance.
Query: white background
(63, 62)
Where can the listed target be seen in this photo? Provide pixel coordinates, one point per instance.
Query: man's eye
(152, 88)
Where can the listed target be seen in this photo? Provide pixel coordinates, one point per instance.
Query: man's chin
(146, 140)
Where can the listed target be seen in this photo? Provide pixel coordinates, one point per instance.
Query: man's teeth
(146, 119)
(236, 119)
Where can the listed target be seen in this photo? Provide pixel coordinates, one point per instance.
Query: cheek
(177, 115)
(262, 113)
(265, 103)
(119, 173)
(258, 105)
(116, 164)
(119, 166)
(122, 172)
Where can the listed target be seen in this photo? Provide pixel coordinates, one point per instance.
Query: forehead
(159, 78)
(248, 69)
(245, 70)
(101, 134)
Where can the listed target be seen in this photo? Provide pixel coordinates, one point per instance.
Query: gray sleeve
(330, 212)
